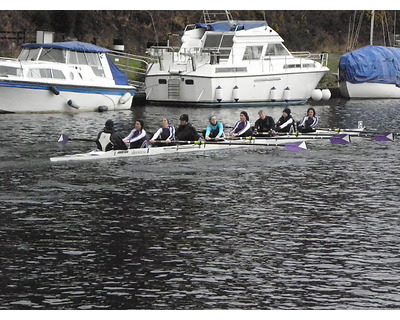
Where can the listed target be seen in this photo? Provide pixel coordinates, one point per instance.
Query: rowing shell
(291, 144)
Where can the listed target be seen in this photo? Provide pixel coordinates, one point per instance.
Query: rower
(108, 139)
(186, 131)
(215, 129)
(286, 122)
(137, 138)
(242, 128)
(264, 125)
(309, 122)
(166, 132)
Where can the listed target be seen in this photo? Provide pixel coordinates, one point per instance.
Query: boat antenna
(371, 36)
(154, 27)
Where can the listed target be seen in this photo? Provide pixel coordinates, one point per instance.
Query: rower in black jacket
(186, 131)
(286, 123)
(264, 125)
(109, 139)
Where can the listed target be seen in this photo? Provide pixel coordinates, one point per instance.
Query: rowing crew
(108, 139)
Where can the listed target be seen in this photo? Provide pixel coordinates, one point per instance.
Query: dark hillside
(302, 30)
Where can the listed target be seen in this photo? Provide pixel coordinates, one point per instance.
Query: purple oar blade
(63, 140)
(383, 137)
(340, 139)
(297, 146)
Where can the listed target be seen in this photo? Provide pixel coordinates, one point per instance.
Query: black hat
(109, 124)
(287, 110)
(245, 114)
(184, 117)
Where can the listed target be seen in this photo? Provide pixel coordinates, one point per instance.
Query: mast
(371, 36)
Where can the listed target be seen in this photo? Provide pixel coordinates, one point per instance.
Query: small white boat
(63, 76)
(233, 63)
(371, 72)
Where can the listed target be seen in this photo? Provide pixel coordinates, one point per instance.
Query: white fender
(286, 94)
(218, 93)
(316, 94)
(272, 94)
(326, 94)
(236, 93)
(125, 97)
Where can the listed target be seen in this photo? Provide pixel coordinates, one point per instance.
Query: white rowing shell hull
(228, 144)
(96, 155)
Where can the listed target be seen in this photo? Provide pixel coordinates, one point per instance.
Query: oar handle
(82, 139)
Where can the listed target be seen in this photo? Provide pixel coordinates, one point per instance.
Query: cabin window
(189, 81)
(29, 54)
(10, 71)
(276, 49)
(52, 55)
(252, 52)
(87, 58)
(46, 73)
(76, 57)
(58, 74)
(81, 58)
(219, 42)
(162, 81)
(94, 61)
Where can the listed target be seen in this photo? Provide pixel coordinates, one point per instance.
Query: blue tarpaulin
(376, 64)
(223, 26)
(70, 45)
(119, 77)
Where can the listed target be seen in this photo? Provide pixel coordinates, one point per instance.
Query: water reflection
(259, 229)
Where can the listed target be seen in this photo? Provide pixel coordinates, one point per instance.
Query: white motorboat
(63, 76)
(233, 63)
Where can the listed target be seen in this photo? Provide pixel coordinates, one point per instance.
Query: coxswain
(137, 138)
(242, 128)
(215, 129)
(166, 132)
(286, 122)
(309, 122)
(265, 125)
(186, 131)
(109, 139)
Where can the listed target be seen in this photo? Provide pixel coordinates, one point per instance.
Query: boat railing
(8, 59)
(322, 57)
(135, 67)
(214, 54)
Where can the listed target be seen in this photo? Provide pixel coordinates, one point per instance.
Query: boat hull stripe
(66, 88)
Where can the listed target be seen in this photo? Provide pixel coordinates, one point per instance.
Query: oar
(340, 139)
(63, 139)
(367, 132)
(379, 137)
(384, 137)
(311, 135)
(296, 146)
(334, 138)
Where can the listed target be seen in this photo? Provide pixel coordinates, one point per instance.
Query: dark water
(260, 228)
